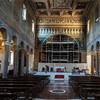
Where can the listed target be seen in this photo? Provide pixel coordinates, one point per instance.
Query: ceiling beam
(84, 0)
(39, 0)
(48, 7)
(74, 5)
(54, 10)
(88, 7)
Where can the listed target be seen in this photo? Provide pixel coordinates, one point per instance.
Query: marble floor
(58, 89)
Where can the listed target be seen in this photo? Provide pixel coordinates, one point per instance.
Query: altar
(59, 69)
(58, 75)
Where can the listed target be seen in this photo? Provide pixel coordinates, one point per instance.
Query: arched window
(24, 12)
(88, 26)
(33, 26)
(96, 17)
(97, 13)
(60, 49)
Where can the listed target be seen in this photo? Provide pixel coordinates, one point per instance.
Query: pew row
(26, 87)
(86, 86)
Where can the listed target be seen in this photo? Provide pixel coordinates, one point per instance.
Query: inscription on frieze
(60, 21)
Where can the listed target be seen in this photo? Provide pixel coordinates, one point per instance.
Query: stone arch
(52, 35)
(22, 45)
(27, 48)
(97, 45)
(4, 37)
(4, 42)
(4, 33)
(15, 39)
(13, 46)
(65, 39)
(92, 48)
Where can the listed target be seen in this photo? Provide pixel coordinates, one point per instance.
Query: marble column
(22, 62)
(27, 63)
(97, 64)
(5, 67)
(92, 64)
(16, 60)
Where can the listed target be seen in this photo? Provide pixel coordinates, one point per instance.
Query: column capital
(6, 42)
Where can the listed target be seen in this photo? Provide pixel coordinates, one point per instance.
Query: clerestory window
(24, 12)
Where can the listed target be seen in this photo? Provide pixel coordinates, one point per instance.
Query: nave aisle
(58, 89)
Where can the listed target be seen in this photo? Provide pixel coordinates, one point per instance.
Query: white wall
(69, 66)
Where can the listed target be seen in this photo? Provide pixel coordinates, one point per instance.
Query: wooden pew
(97, 96)
(32, 84)
(82, 92)
(78, 85)
(90, 92)
(8, 96)
(20, 89)
(86, 86)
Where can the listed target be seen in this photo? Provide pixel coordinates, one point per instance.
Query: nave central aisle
(58, 89)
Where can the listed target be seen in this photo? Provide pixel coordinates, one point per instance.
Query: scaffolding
(60, 49)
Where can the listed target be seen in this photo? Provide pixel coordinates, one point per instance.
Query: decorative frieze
(60, 31)
(43, 33)
(61, 20)
(73, 27)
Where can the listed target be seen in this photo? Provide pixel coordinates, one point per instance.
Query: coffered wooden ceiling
(61, 7)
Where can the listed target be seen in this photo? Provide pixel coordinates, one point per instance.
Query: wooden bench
(23, 86)
(90, 92)
(8, 96)
(85, 86)
(97, 96)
